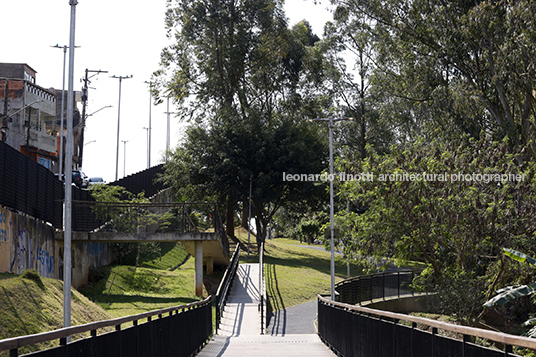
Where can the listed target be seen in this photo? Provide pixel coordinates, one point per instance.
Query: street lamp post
(249, 210)
(118, 121)
(149, 128)
(68, 178)
(148, 147)
(331, 122)
(168, 129)
(62, 109)
(124, 157)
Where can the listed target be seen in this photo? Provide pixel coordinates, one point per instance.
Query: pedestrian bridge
(196, 225)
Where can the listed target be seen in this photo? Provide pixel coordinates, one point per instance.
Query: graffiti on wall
(3, 228)
(26, 244)
(45, 260)
(94, 249)
(23, 257)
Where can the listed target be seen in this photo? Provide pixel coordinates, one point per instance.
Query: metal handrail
(225, 286)
(506, 339)
(262, 289)
(360, 288)
(21, 341)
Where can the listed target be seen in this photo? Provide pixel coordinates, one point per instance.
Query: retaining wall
(27, 243)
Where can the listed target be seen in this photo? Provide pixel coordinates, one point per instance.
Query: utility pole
(68, 178)
(249, 211)
(83, 118)
(118, 122)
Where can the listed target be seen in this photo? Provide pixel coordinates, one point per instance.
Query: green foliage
(520, 257)
(460, 67)
(218, 162)
(510, 293)
(426, 202)
(120, 212)
(254, 80)
(157, 283)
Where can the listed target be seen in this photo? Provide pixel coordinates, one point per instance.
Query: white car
(96, 181)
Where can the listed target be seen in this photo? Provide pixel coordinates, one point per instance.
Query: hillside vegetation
(33, 304)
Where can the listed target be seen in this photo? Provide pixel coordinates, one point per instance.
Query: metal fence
(363, 332)
(145, 181)
(140, 218)
(176, 331)
(375, 286)
(29, 187)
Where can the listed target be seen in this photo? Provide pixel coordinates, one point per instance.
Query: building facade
(31, 115)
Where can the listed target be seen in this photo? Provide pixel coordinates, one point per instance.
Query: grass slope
(33, 305)
(296, 273)
(123, 290)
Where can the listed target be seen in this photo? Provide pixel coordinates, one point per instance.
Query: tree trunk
(229, 219)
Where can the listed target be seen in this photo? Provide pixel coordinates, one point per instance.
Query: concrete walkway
(239, 333)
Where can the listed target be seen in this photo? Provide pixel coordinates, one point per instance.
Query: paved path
(294, 320)
(239, 333)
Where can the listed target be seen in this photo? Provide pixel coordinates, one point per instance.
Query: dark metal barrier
(225, 286)
(177, 331)
(358, 331)
(376, 286)
(29, 187)
(144, 181)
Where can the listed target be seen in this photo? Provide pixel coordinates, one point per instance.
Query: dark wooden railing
(177, 331)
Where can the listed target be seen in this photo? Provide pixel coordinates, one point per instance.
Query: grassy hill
(158, 282)
(32, 304)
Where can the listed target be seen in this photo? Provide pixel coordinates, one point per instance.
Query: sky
(124, 38)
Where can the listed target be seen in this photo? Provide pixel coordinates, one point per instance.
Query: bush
(32, 274)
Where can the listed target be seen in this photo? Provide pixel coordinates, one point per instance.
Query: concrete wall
(27, 243)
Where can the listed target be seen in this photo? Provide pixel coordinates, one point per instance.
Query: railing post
(413, 327)
(465, 340)
(218, 314)
(398, 282)
(434, 333)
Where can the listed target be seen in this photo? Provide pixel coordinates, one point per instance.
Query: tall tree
(219, 161)
(468, 64)
(244, 79)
